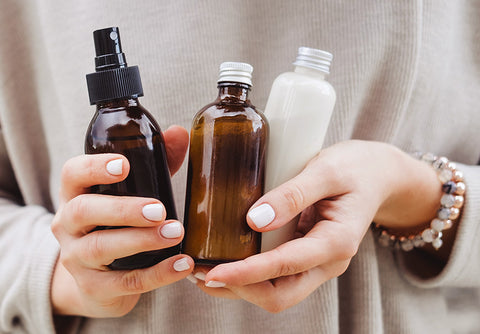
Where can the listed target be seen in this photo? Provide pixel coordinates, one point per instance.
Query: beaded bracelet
(450, 205)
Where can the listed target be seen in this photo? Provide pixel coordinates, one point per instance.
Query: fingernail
(114, 167)
(181, 265)
(200, 276)
(153, 211)
(172, 230)
(192, 279)
(215, 284)
(262, 215)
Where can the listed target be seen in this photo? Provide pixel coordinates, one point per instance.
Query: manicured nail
(192, 279)
(215, 284)
(114, 167)
(153, 212)
(262, 215)
(172, 230)
(200, 276)
(181, 265)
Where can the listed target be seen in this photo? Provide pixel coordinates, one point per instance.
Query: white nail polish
(262, 215)
(215, 284)
(153, 212)
(192, 279)
(114, 167)
(200, 276)
(171, 230)
(181, 265)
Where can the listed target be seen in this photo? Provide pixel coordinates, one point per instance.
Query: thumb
(282, 204)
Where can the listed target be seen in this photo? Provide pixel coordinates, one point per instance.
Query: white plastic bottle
(298, 110)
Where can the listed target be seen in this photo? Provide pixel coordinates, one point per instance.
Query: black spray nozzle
(108, 49)
(112, 78)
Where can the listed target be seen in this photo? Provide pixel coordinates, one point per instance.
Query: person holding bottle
(406, 77)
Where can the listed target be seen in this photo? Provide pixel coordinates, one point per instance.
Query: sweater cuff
(40, 277)
(462, 268)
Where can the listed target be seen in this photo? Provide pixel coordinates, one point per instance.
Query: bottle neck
(310, 72)
(118, 103)
(233, 91)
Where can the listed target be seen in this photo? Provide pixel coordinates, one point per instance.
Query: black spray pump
(113, 79)
(122, 125)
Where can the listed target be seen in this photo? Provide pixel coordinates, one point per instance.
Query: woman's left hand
(340, 192)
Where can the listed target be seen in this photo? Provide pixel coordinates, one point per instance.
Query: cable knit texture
(405, 72)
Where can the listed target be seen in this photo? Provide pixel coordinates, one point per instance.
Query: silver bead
(445, 175)
(443, 213)
(418, 241)
(447, 200)
(406, 244)
(440, 163)
(428, 157)
(437, 224)
(427, 235)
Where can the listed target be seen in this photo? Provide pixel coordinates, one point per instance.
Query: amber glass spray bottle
(122, 125)
(225, 172)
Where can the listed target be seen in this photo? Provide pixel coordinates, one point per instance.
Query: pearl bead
(460, 188)
(457, 176)
(447, 224)
(437, 243)
(454, 213)
(406, 244)
(418, 241)
(451, 165)
(458, 202)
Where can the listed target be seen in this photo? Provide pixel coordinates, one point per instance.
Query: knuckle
(285, 268)
(347, 246)
(294, 197)
(94, 249)
(132, 282)
(78, 208)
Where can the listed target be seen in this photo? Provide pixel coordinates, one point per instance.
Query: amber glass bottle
(122, 125)
(225, 172)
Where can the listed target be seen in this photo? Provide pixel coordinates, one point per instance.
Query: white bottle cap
(314, 58)
(235, 72)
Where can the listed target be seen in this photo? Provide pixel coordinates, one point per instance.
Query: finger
(284, 292)
(219, 292)
(109, 284)
(85, 212)
(326, 243)
(176, 145)
(100, 248)
(282, 204)
(82, 172)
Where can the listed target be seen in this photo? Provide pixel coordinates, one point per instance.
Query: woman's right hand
(82, 283)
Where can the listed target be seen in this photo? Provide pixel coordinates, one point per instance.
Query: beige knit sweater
(405, 72)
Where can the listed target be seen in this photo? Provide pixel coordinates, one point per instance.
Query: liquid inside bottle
(225, 177)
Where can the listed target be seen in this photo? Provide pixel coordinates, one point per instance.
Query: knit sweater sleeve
(463, 266)
(28, 255)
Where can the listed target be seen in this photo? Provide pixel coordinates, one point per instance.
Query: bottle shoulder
(120, 121)
(302, 81)
(229, 111)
